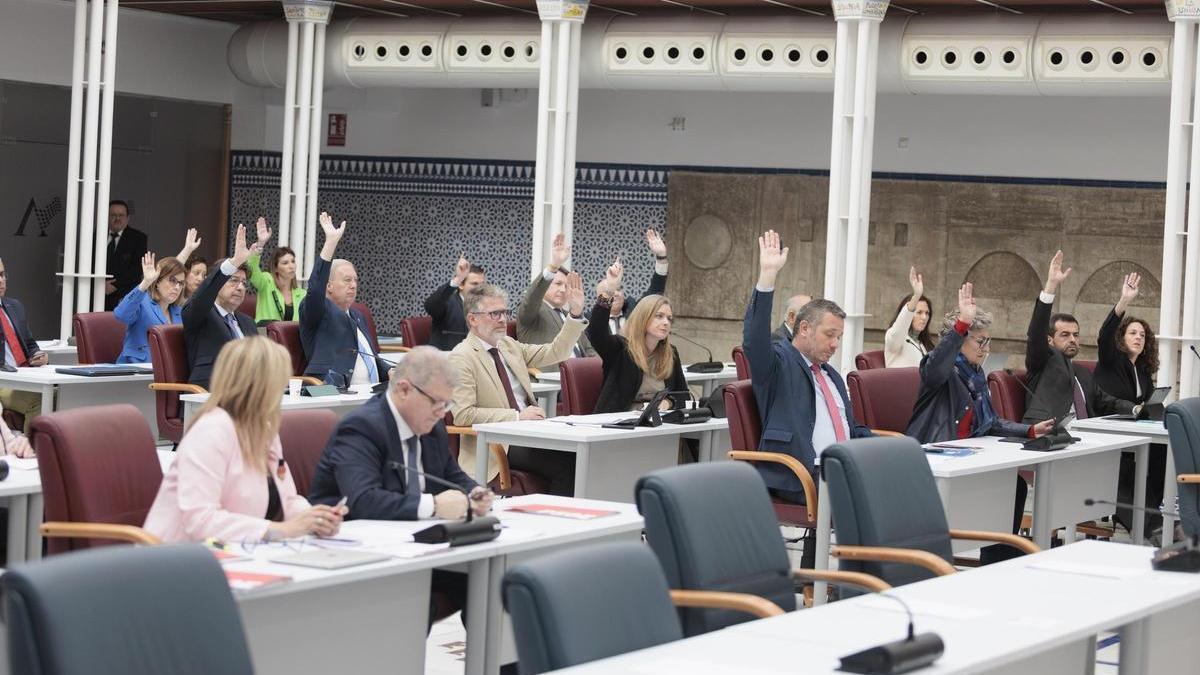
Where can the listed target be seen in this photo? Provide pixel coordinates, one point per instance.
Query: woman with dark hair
(909, 340)
(1126, 368)
(279, 294)
(154, 301)
(196, 269)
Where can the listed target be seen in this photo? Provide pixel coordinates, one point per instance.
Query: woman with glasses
(279, 294)
(155, 301)
(229, 480)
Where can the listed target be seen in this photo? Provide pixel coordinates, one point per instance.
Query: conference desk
(607, 461)
(708, 382)
(1035, 614)
(977, 491)
(1157, 433)
(372, 618)
(65, 392)
(60, 354)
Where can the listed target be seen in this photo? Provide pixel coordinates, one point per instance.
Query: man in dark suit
(126, 246)
(445, 305)
(211, 317)
(794, 303)
(1060, 386)
(335, 336)
(20, 350)
(365, 460)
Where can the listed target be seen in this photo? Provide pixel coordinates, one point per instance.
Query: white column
(289, 134)
(558, 96)
(70, 238)
(109, 71)
(849, 219)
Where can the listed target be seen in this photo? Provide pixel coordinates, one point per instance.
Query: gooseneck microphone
(709, 366)
(1057, 439)
(1182, 556)
(470, 530)
(1144, 509)
(913, 652)
(1193, 348)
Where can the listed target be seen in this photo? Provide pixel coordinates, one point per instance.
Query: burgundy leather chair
(883, 398)
(581, 380)
(1008, 396)
(740, 363)
(100, 474)
(287, 333)
(510, 329)
(168, 354)
(1090, 365)
(870, 360)
(415, 330)
(370, 319)
(99, 337)
(510, 482)
(249, 305)
(745, 429)
(304, 435)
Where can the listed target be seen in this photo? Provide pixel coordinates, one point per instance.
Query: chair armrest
(534, 372)
(128, 533)
(885, 432)
(309, 379)
(907, 556)
(497, 451)
(740, 602)
(810, 488)
(842, 578)
(394, 348)
(1020, 543)
(181, 387)
(1188, 478)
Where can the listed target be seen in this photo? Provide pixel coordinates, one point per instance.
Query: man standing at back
(211, 318)
(126, 246)
(445, 305)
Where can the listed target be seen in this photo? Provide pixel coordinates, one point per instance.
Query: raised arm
(599, 334)
(938, 367)
(893, 339)
(531, 304)
(436, 303)
(195, 312)
(540, 356)
(756, 327)
(191, 242)
(1107, 340)
(261, 280)
(312, 307)
(130, 308)
(1037, 349)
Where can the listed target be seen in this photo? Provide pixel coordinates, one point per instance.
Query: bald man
(794, 303)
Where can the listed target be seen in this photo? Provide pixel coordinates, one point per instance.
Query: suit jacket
(622, 377)
(360, 463)
(328, 334)
(445, 306)
(16, 316)
(781, 333)
(537, 323)
(209, 491)
(1052, 378)
(138, 311)
(658, 286)
(479, 395)
(204, 330)
(125, 265)
(1115, 373)
(786, 394)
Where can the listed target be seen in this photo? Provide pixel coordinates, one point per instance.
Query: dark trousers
(998, 552)
(447, 595)
(556, 466)
(1156, 472)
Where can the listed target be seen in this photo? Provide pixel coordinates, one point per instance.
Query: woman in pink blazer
(229, 480)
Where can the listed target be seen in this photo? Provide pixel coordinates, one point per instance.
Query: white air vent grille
(644, 53)
(510, 52)
(785, 55)
(414, 52)
(1102, 59)
(966, 58)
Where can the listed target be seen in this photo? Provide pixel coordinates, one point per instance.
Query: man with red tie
(20, 350)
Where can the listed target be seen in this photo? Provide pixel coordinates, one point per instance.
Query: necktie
(503, 373)
(234, 331)
(112, 242)
(364, 352)
(10, 336)
(839, 429)
(414, 479)
(1080, 402)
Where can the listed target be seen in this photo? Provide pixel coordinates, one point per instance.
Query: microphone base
(706, 367)
(1049, 442)
(460, 533)
(900, 656)
(1182, 556)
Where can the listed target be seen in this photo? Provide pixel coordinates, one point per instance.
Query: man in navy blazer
(366, 458)
(334, 335)
(445, 305)
(802, 401)
(211, 317)
(20, 349)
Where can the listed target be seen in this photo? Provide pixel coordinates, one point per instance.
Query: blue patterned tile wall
(408, 219)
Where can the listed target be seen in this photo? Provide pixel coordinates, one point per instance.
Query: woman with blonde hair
(229, 480)
(641, 363)
(155, 301)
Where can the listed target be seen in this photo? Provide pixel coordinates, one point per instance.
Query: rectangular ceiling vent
(411, 52)
(967, 59)
(1109, 58)
(646, 54)
(777, 55)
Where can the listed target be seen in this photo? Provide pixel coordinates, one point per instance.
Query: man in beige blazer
(493, 380)
(544, 308)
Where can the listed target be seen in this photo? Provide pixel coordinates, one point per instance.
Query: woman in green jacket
(279, 294)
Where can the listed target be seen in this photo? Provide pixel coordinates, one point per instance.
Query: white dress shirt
(425, 508)
(823, 431)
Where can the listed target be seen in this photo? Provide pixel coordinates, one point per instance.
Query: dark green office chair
(1182, 419)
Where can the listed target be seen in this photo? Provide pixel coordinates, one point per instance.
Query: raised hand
(612, 278)
(560, 250)
(461, 269)
(333, 235)
(1056, 275)
(191, 242)
(966, 303)
(241, 252)
(263, 232)
(657, 246)
(575, 294)
(149, 269)
(918, 285)
(1129, 291)
(772, 256)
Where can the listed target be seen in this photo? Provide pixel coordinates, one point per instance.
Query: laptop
(331, 558)
(1152, 409)
(107, 369)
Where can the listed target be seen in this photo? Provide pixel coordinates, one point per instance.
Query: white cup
(294, 384)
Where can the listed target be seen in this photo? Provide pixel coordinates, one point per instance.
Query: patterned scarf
(976, 381)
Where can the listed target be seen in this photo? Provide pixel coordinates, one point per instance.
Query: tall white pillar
(856, 54)
(302, 127)
(558, 98)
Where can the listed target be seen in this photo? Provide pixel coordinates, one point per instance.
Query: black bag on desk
(687, 416)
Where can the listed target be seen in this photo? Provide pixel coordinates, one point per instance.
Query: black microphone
(1182, 556)
(1145, 509)
(468, 531)
(1193, 348)
(901, 656)
(1057, 439)
(708, 366)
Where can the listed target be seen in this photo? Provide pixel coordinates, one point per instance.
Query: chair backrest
(370, 319)
(1008, 396)
(168, 355)
(870, 360)
(98, 465)
(1182, 419)
(304, 435)
(713, 528)
(581, 381)
(99, 337)
(415, 330)
(287, 333)
(249, 305)
(741, 409)
(510, 329)
(883, 398)
(587, 603)
(1090, 365)
(740, 364)
(124, 610)
(883, 494)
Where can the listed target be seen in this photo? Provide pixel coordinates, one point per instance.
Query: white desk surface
(1155, 430)
(27, 481)
(553, 374)
(528, 532)
(45, 375)
(987, 617)
(997, 455)
(590, 431)
(56, 347)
